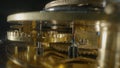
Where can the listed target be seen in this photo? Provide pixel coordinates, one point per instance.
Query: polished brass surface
(51, 16)
(25, 32)
(27, 57)
(56, 45)
(17, 36)
(85, 34)
(55, 37)
(10, 64)
(53, 33)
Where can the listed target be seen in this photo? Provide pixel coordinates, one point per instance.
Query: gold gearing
(84, 50)
(28, 56)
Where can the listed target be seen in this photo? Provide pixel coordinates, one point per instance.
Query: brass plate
(60, 16)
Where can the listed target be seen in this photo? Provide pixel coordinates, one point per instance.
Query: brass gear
(82, 50)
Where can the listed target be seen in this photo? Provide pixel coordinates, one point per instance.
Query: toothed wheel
(88, 52)
(17, 36)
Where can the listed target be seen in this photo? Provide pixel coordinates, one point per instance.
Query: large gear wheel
(82, 51)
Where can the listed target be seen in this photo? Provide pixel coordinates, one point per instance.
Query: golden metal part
(24, 32)
(82, 49)
(59, 16)
(26, 56)
(56, 43)
(86, 33)
(10, 64)
(53, 52)
(17, 36)
(54, 37)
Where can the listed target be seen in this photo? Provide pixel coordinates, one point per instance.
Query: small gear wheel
(85, 52)
(17, 36)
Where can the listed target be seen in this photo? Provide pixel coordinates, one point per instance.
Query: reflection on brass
(52, 56)
(72, 2)
(55, 45)
(53, 37)
(10, 64)
(83, 51)
(17, 36)
(60, 16)
(86, 33)
(26, 32)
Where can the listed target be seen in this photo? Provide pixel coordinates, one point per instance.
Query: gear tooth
(17, 36)
(82, 52)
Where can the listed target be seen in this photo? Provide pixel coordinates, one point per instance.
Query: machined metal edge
(71, 2)
(60, 16)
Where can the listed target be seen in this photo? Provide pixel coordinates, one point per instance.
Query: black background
(8, 7)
